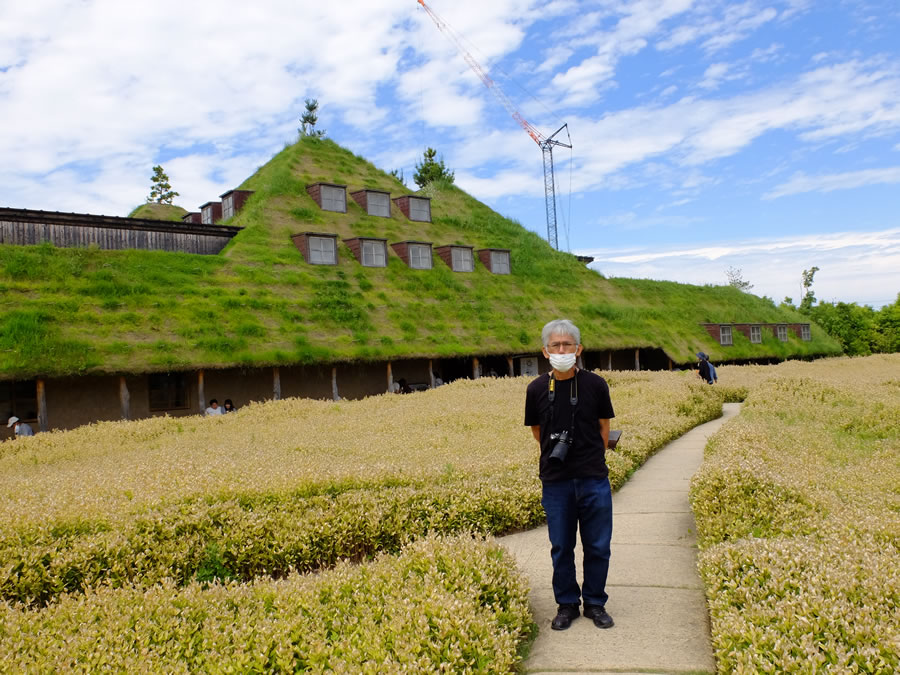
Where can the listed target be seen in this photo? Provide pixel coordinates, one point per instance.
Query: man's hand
(536, 431)
(604, 431)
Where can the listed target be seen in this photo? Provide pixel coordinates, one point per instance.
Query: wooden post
(201, 392)
(124, 398)
(276, 383)
(42, 406)
(390, 379)
(431, 372)
(334, 389)
(509, 364)
(476, 368)
(609, 361)
(670, 364)
(637, 359)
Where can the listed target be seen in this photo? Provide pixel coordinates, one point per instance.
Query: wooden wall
(72, 230)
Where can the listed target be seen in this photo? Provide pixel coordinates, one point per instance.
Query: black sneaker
(564, 617)
(599, 615)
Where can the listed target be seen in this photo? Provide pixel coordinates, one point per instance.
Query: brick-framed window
(227, 206)
(781, 332)
(322, 250)
(462, 260)
(725, 335)
(755, 334)
(334, 198)
(420, 256)
(373, 253)
(378, 204)
(420, 209)
(168, 391)
(500, 262)
(804, 332)
(210, 212)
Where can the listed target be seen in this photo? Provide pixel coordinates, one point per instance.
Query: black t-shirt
(587, 454)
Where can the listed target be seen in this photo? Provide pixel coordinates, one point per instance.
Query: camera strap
(573, 400)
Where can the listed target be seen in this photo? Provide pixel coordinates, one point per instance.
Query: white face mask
(562, 362)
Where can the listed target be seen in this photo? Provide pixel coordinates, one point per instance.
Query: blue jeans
(584, 503)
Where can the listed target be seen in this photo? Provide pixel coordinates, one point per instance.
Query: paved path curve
(655, 594)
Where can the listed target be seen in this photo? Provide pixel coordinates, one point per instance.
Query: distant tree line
(860, 329)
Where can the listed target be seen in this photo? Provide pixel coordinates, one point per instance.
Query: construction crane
(545, 143)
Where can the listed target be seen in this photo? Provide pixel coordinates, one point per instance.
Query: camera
(561, 447)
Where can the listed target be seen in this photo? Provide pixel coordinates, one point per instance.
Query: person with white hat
(21, 428)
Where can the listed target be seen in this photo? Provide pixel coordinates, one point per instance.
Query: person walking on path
(703, 368)
(21, 428)
(569, 411)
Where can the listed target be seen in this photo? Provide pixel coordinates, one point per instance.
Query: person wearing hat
(21, 428)
(704, 368)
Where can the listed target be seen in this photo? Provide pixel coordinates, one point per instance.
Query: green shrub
(454, 605)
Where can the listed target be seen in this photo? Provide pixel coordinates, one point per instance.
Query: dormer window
(416, 254)
(420, 209)
(329, 196)
(318, 248)
(462, 259)
(233, 201)
(804, 332)
(420, 256)
(755, 334)
(781, 332)
(321, 251)
(210, 212)
(495, 259)
(227, 207)
(414, 208)
(458, 258)
(725, 335)
(374, 253)
(369, 251)
(375, 202)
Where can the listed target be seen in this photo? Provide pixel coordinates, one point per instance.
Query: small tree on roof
(309, 119)
(430, 170)
(736, 279)
(161, 191)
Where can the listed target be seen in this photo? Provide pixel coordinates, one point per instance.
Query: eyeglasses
(561, 347)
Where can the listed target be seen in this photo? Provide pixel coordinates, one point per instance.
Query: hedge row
(798, 516)
(81, 526)
(454, 605)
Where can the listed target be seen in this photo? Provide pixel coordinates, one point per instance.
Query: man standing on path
(568, 411)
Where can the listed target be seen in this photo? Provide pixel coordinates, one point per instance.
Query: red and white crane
(546, 143)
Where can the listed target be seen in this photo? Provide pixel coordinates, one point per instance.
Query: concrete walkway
(655, 594)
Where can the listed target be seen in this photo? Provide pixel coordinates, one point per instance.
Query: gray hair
(560, 327)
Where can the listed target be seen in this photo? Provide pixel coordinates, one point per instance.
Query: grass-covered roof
(67, 311)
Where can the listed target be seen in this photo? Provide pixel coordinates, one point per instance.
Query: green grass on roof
(66, 311)
(153, 211)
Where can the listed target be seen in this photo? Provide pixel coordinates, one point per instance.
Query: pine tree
(161, 191)
(309, 119)
(430, 170)
(736, 279)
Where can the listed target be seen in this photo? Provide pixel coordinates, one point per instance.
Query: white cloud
(713, 75)
(853, 265)
(636, 23)
(736, 23)
(800, 182)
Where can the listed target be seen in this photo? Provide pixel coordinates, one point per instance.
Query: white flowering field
(292, 535)
(798, 514)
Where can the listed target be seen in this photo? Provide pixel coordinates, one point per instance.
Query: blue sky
(763, 136)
